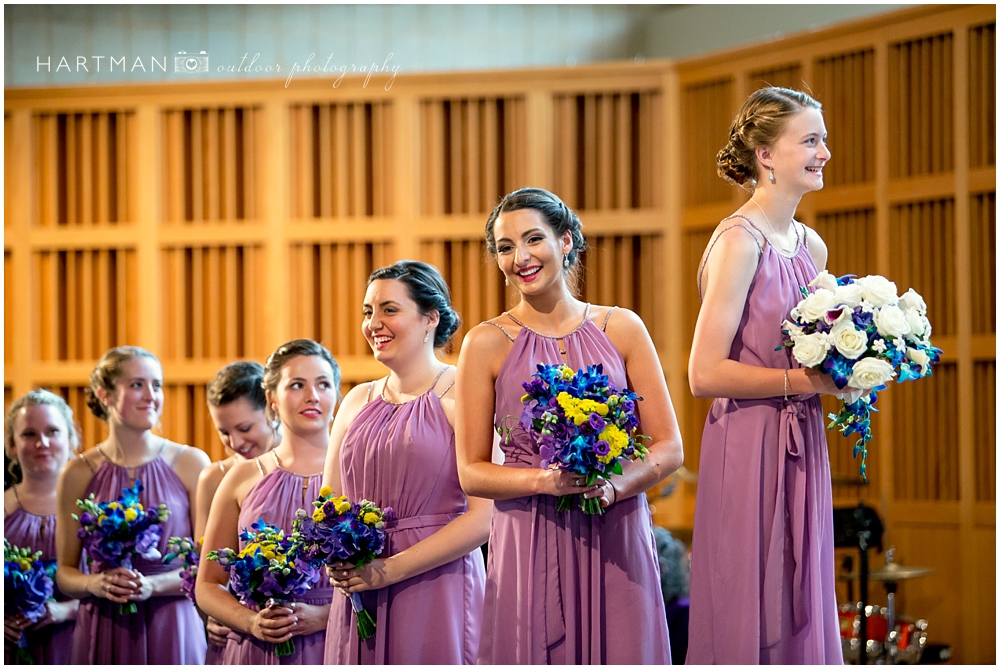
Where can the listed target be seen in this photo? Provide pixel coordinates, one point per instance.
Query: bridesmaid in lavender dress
(41, 436)
(393, 444)
(302, 382)
(762, 574)
(562, 587)
(127, 391)
(236, 403)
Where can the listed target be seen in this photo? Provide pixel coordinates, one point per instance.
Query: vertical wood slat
(229, 165)
(71, 171)
(101, 169)
(86, 211)
(491, 154)
(359, 157)
(328, 304)
(341, 132)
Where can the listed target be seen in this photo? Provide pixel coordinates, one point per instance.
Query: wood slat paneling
(983, 229)
(707, 112)
(845, 83)
(985, 392)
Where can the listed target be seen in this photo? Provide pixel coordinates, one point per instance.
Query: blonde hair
(293, 349)
(37, 397)
(760, 122)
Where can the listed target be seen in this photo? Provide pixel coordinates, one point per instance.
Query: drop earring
(770, 175)
(426, 335)
(566, 262)
(506, 281)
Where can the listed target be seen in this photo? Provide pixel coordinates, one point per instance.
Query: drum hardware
(859, 526)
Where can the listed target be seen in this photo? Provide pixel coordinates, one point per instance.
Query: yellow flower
(342, 505)
(525, 397)
(131, 514)
(325, 491)
(617, 442)
(567, 373)
(370, 518)
(114, 505)
(318, 515)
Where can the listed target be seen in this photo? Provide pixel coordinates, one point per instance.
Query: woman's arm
(208, 482)
(272, 625)
(352, 403)
(483, 350)
(72, 484)
(728, 273)
(656, 414)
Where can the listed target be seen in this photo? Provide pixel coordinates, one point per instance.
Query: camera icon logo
(185, 62)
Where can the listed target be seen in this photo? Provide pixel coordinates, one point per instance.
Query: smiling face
(799, 153)
(528, 251)
(137, 399)
(305, 396)
(392, 323)
(42, 440)
(242, 427)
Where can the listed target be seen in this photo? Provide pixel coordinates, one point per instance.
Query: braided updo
(560, 218)
(759, 122)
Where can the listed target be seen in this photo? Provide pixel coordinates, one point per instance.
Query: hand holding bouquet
(339, 530)
(582, 423)
(861, 333)
(264, 571)
(186, 549)
(28, 585)
(113, 533)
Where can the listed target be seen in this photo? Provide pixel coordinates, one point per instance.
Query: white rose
(824, 280)
(851, 294)
(815, 306)
(847, 339)
(878, 290)
(810, 350)
(919, 357)
(916, 321)
(869, 373)
(891, 322)
(911, 299)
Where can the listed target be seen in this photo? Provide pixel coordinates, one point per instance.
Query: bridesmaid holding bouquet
(393, 444)
(563, 587)
(302, 384)
(126, 390)
(41, 437)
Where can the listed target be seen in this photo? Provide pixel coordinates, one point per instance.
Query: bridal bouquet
(264, 571)
(113, 533)
(186, 549)
(861, 333)
(339, 530)
(582, 423)
(27, 586)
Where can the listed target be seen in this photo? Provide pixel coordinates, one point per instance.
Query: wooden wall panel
(924, 258)
(845, 84)
(186, 420)
(340, 163)
(8, 308)
(209, 173)
(92, 429)
(985, 428)
(82, 170)
(983, 95)
(786, 76)
(471, 153)
(603, 143)
(921, 107)
(708, 110)
(983, 244)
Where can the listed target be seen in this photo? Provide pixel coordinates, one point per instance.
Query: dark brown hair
(107, 372)
(239, 379)
(428, 290)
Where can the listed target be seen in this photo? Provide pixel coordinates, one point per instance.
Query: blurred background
(168, 185)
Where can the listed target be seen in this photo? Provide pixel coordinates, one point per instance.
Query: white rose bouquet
(861, 333)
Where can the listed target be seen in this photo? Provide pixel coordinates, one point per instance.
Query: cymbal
(891, 572)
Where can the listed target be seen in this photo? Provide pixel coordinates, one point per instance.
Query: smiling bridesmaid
(393, 443)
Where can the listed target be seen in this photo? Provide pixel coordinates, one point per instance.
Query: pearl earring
(506, 281)
(770, 176)
(566, 262)
(426, 335)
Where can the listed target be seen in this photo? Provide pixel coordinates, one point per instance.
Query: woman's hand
(309, 618)
(218, 634)
(558, 483)
(273, 624)
(604, 491)
(117, 585)
(13, 627)
(349, 579)
(823, 384)
(144, 589)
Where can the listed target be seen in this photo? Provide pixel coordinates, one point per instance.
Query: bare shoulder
(77, 473)
(487, 345)
(817, 247)
(625, 330)
(209, 480)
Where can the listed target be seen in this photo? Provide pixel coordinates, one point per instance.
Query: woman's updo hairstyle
(236, 380)
(759, 122)
(428, 290)
(293, 349)
(108, 371)
(560, 218)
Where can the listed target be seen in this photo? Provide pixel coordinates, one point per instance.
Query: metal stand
(863, 536)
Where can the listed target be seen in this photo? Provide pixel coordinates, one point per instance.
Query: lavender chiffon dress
(50, 644)
(567, 587)
(762, 574)
(403, 456)
(276, 498)
(164, 630)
